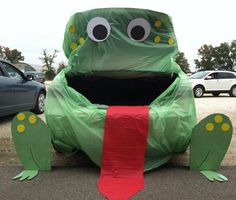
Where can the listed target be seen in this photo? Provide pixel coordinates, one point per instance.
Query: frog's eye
(98, 29)
(139, 29)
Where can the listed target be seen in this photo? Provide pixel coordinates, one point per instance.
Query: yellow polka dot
(225, 127)
(21, 116)
(209, 127)
(170, 41)
(72, 29)
(157, 23)
(73, 45)
(20, 128)
(218, 119)
(32, 119)
(157, 39)
(81, 40)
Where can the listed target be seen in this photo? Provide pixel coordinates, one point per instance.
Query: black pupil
(100, 32)
(137, 32)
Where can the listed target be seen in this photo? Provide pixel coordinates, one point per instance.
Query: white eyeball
(98, 29)
(139, 29)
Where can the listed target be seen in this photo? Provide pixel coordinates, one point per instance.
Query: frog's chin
(129, 91)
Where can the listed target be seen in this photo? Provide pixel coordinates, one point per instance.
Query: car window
(199, 75)
(13, 73)
(24, 67)
(225, 75)
(29, 68)
(211, 76)
(20, 67)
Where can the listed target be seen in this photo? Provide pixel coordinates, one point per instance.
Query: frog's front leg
(32, 140)
(209, 143)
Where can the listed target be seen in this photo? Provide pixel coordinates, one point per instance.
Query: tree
(206, 59)
(13, 56)
(222, 57)
(233, 54)
(183, 62)
(61, 66)
(48, 61)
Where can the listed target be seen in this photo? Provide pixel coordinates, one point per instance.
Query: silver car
(18, 92)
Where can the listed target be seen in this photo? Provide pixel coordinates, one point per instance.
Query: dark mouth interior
(121, 91)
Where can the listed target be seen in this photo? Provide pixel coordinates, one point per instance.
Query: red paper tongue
(124, 146)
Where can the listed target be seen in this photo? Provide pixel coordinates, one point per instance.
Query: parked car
(214, 82)
(19, 92)
(29, 70)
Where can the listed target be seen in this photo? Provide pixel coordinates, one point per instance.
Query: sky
(32, 25)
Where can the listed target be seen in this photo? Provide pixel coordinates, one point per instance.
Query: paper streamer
(124, 146)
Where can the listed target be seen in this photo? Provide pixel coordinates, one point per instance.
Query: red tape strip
(124, 146)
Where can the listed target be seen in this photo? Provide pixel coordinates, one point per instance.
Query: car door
(211, 82)
(24, 94)
(6, 93)
(225, 80)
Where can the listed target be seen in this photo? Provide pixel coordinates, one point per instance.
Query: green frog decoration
(121, 56)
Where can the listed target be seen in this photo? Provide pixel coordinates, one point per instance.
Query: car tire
(232, 91)
(198, 91)
(215, 94)
(39, 107)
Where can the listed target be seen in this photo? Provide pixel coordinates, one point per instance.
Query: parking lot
(204, 106)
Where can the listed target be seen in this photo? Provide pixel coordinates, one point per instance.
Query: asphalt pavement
(79, 183)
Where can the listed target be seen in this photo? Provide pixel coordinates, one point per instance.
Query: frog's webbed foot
(209, 143)
(32, 139)
(26, 174)
(212, 176)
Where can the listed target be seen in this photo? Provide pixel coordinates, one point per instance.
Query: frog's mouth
(138, 90)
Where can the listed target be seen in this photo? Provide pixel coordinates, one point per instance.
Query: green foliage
(206, 60)
(12, 55)
(61, 67)
(48, 61)
(233, 53)
(183, 62)
(50, 74)
(222, 57)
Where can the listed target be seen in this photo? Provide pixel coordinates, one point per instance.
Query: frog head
(124, 52)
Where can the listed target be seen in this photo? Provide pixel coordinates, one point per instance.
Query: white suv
(214, 82)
